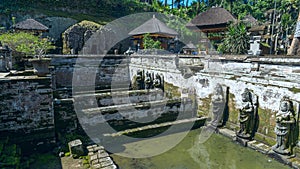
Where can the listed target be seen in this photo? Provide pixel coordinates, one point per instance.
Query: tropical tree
(26, 43)
(236, 40)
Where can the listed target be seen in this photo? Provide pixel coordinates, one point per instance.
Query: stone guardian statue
(247, 115)
(285, 125)
(218, 105)
(148, 81)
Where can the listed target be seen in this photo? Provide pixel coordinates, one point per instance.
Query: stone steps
(138, 106)
(154, 126)
(118, 97)
(146, 113)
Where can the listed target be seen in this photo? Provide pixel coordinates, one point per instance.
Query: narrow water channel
(218, 152)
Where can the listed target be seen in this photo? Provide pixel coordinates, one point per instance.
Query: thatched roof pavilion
(30, 25)
(155, 27)
(213, 20)
(250, 20)
(157, 30)
(189, 48)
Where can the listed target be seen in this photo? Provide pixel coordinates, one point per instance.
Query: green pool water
(218, 152)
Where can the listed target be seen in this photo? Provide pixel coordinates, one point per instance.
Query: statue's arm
(290, 121)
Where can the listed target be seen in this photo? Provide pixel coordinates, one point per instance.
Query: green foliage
(10, 155)
(67, 154)
(236, 40)
(89, 25)
(99, 8)
(26, 43)
(150, 43)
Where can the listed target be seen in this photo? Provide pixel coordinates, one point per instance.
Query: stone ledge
(228, 133)
(255, 145)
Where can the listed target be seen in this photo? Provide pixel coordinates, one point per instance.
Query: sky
(170, 1)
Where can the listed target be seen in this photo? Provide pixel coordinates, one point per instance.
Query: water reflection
(217, 152)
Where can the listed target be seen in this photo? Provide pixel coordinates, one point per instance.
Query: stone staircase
(116, 111)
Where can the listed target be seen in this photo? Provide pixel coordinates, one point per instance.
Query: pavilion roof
(250, 20)
(215, 17)
(30, 24)
(153, 26)
(190, 45)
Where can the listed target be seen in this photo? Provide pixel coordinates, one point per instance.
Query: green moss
(294, 90)
(67, 154)
(10, 154)
(171, 90)
(204, 107)
(233, 111)
(90, 25)
(264, 139)
(266, 122)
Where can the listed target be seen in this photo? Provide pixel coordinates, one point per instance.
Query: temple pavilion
(30, 25)
(157, 30)
(213, 23)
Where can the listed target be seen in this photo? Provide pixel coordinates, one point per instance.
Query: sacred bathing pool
(253, 101)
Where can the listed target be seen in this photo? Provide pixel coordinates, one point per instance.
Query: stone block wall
(95, 72)
(26, 111)
(65, 116)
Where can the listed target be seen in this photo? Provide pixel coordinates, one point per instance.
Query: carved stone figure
(140, 79)
(285, 124)
(247, 115)
(158, 82)
(218, 105)
(148, 81)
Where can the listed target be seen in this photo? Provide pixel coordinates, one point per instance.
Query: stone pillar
(76, 148)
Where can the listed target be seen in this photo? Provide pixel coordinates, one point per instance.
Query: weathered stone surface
(255, 145)
(226, 132)
(76, 148)
(26, 108)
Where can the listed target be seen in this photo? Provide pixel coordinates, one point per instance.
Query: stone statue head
(246, 95)
(285, 104)
(218, 90)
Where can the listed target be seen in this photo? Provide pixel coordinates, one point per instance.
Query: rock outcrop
(75, 36)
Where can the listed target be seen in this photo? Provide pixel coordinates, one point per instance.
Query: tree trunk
(166, 2)
(198, 6)
(293, 50)
(187, 3)
(172, 4)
